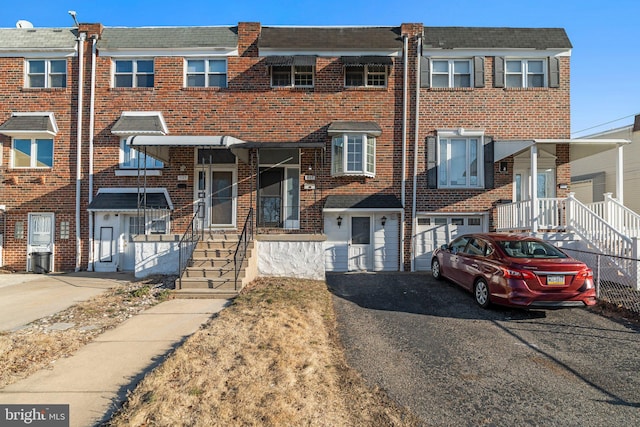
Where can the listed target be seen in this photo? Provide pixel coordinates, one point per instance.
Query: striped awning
(360, 61)
(290, 60)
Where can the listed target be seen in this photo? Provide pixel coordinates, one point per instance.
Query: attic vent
(57, 31)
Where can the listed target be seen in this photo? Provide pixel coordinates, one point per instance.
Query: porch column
(534, 188)
(619, 175)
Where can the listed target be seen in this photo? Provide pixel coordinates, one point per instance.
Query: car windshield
(530, 249)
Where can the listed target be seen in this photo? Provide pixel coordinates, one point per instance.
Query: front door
(360, 256)
(217, 185)
(41, 234)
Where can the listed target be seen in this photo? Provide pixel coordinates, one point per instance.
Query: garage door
(434, 231)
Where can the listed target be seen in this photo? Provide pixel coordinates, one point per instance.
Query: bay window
(353, 154)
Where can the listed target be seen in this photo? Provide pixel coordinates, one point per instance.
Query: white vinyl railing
(617, 215)
(517, 216)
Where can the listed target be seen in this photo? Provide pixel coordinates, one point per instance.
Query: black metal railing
(188, 244)
(245, 238)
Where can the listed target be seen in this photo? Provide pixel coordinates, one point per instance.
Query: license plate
(555, 280)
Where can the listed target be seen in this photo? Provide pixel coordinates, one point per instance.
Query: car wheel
(481, 293)
(436, 272)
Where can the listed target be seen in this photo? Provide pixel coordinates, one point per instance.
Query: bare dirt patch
(270, 359)
(39, 344)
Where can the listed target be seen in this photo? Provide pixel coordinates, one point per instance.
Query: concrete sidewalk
(28, 297)
(95, 381)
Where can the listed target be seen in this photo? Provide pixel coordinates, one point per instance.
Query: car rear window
(530, 249)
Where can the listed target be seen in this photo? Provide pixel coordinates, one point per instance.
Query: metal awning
(20, 124)
(119, 200)
(339, 127)
(579, 148)
(291, 60)
(140, 123)
(241, 150)
(362, 201)
(158, 145)
(361, 61)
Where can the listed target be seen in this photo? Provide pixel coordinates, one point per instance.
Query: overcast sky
(606, 45)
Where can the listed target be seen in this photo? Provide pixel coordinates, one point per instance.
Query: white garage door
(435, 231)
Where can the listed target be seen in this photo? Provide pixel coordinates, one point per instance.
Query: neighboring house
(594, 176)
(348, 148)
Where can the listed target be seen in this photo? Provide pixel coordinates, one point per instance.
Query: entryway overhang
(579, 148)
(373, 202)
(157, 146)
(130, 200)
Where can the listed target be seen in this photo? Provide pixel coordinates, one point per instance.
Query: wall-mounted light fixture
(339, 221)
(383, 221)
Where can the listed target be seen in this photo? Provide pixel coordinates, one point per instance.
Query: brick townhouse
(354, 148)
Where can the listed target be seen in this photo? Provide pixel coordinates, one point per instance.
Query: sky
(605, 76)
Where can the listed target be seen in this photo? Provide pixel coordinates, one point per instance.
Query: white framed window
(292, 75)
(133, 73)
(525, 73)
(130, 158)
(367, 75)
(206, 73)
(32, 153)
(353, 154)
(460, 161)
(46, 73)
(449, 73)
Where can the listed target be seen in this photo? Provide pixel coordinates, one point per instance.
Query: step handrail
(243, 243)
(187, 245)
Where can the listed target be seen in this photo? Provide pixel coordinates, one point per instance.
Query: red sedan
(514, 270)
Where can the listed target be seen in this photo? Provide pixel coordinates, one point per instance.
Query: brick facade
(251, 110)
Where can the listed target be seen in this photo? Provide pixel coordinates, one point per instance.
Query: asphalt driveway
(454, 364)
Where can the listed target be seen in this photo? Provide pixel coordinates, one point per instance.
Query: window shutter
(424, 72)
(488, 162)
(478, 71)
(498, 71)
(554, 71)
(432, 163)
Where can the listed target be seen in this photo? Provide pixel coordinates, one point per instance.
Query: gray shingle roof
(31, 123)
(168, 37)
(363, 201)
(341, 126)
(39, 39)
(317, 38)
(151, 124)
(495, 38)
(126, 201)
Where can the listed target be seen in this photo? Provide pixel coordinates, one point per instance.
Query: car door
(471, 261)
(451, 258)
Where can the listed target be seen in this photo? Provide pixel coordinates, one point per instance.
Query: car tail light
(510, 273)
(587, 275)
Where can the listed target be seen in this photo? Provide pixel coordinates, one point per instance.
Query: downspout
(414, 224)
(81, 39)
(405, 40)
(91, 130)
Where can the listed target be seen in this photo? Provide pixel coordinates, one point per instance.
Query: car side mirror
(444, 247)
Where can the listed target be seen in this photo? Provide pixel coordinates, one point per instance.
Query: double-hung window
(130, 158)
(366, 75)
(292, 75)
(525, 73)
(46, 73)
(353, 154)
(206, 73)
(460, 161)
(450, 73)
(32, 153)
(133, 73)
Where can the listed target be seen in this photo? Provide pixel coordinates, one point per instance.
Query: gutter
(414, 221)
(405, 40)
(82, 37)
(94, 39)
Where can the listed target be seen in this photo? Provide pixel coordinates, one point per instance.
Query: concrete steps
(211, 271)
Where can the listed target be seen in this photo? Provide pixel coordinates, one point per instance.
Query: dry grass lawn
(270, 359)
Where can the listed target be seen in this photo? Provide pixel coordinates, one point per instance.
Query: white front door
(105, 249)
(41, 233)
(546, 184)
(360, 257)
(218, 188)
